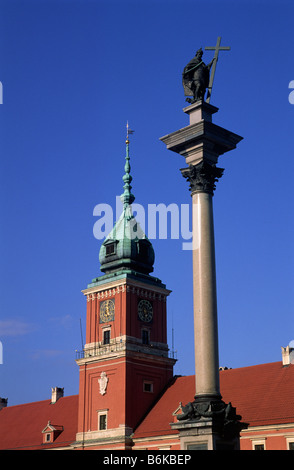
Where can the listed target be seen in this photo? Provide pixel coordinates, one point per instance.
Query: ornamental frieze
(148, 294)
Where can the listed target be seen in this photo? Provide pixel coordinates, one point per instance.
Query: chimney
(3, 403)
(288, 355)
(57, 393)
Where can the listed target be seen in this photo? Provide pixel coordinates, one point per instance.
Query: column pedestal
(205, 435)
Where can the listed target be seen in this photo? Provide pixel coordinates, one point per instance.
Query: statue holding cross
(196, 77)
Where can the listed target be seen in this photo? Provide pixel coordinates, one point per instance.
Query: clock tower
(125, 364)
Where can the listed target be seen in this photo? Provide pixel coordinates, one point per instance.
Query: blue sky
(73, 72)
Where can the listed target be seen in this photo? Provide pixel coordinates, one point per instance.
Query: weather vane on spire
(127, 197)
(129, 131)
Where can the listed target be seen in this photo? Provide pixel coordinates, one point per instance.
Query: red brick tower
(125, 364)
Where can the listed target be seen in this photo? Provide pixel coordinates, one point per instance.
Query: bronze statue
(196, 77)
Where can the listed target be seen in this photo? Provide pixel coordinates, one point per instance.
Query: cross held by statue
(217, 48)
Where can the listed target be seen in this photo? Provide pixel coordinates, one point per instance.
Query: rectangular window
(259, 447)
(145, 336)
(148, 387)
(102, 422)
(110, 249)
(106, 336)
(48, 437)
(102, 416)
(291, 445)
(259, 444)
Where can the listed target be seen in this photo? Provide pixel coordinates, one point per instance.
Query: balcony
(100, 350)
(118, 346)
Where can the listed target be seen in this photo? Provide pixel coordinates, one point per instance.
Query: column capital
(202, 177)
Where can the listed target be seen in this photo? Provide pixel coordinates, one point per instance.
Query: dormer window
(51, 432)
(110, 247)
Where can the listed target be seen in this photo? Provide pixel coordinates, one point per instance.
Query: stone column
(207, 422)
(205, 303)
(202, 178)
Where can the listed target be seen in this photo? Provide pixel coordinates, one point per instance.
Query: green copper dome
(126, 248)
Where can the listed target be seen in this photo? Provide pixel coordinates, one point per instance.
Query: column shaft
(205, 301)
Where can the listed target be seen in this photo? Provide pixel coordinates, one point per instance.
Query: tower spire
(126, 247)
(127, 197)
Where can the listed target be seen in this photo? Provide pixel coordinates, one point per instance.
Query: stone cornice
(122, 434)
(218, 138)
(111, 288)
(267, 429)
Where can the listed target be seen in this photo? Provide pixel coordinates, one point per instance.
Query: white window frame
(258, 442)
(289, 440)
(102, 413)
(105, 329)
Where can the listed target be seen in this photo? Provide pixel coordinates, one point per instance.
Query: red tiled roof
(21, 426)
(262, 394)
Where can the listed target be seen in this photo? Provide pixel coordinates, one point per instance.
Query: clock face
(106, 311)
(145, 310)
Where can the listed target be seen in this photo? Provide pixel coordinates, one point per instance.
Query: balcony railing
(99, 350)
(118, 346)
